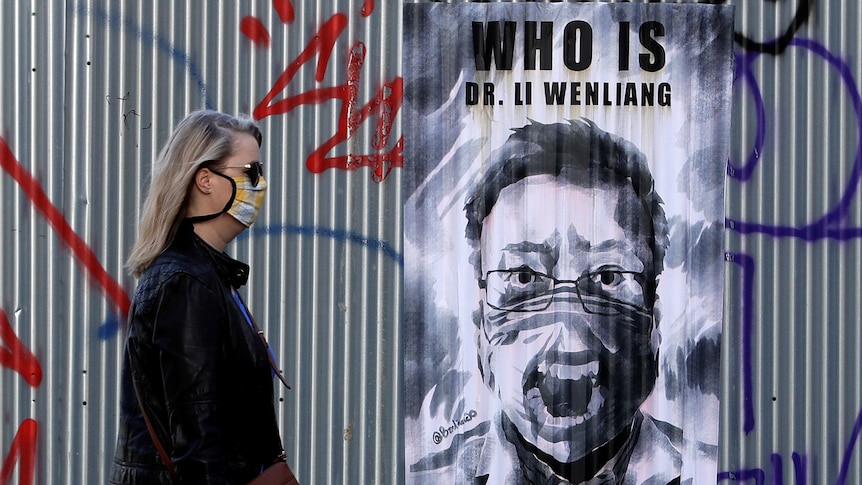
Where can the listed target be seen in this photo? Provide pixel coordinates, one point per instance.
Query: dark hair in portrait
(582, 154)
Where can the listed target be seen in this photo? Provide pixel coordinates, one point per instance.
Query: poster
(563, 234)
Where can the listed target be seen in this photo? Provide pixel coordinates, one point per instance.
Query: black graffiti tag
(778, 45)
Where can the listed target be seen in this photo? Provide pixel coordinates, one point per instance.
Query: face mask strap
(209, 217)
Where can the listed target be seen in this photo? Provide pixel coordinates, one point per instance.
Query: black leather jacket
(203, 374)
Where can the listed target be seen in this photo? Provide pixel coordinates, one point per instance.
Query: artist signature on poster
(445, 431)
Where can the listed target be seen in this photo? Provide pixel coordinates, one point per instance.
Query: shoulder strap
(166, 459)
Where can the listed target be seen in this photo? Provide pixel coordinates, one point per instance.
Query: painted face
(567, 341)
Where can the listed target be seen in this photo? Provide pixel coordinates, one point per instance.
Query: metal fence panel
(92, 88)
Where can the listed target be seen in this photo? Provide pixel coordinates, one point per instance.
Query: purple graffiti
(800, 468)
(800, 471)
(828, 226)
(777, 469)
(746, 262)
(743, 71)
(744, 475)
(848, 451)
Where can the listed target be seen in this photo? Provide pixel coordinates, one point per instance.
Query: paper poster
(563, 234)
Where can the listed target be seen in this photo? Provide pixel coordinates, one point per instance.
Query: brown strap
(166, 459)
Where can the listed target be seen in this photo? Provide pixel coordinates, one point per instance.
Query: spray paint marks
(778, 44)
(383, 107)
(23, 450)
(828, 224)
(76, 245)
(14, 355)
(831, 224)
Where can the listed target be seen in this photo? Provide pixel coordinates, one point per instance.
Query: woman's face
(219, 188)
(245, 151)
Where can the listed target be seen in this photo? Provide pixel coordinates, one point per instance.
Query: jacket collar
(230, 270)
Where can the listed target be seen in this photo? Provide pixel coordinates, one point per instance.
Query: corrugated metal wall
(792, 386)
(91, 89)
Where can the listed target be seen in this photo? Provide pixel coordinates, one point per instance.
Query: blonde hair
(202, 139)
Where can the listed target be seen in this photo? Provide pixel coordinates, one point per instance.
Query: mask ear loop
(209, 217)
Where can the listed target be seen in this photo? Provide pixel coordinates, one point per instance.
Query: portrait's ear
(475, 259)
(655, 338)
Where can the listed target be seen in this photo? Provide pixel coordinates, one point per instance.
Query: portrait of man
(569, 240)
(564, 261)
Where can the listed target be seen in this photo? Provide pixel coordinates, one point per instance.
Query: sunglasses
(254, 170)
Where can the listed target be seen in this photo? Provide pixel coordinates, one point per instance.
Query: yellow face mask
(247, 199)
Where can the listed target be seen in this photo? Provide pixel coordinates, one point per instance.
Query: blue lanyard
(251, 324)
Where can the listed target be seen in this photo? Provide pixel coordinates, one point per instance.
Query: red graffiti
(384, 106)
(24, 449)
(254, 29)
(110, 287)
(367, 8)
(284, 9)
(14, 355)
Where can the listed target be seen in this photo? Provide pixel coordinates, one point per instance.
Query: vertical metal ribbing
(328, 300)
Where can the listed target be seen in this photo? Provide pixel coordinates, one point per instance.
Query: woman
(194, 360)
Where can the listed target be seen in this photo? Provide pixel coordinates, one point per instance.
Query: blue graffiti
(337, 234)
(111, 327)
(147, 37)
